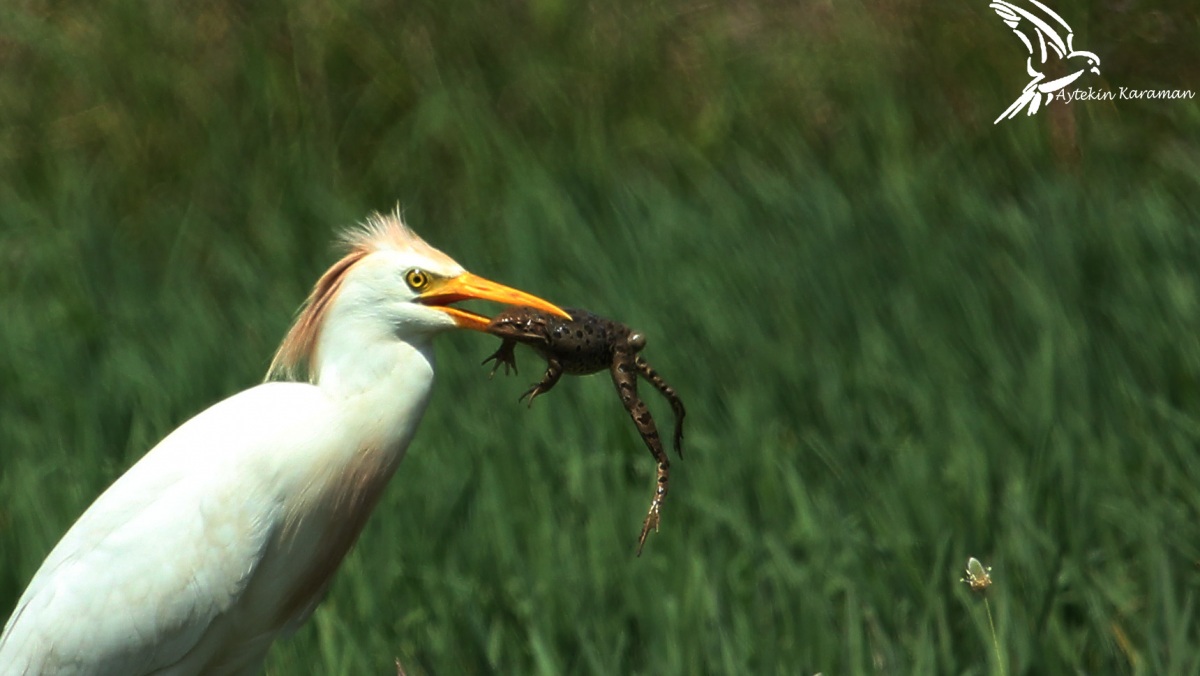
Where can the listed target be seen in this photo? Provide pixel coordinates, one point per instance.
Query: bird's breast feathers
(180, 538)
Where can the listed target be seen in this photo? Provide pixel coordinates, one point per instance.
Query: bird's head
(391, 285)
(1088, 60)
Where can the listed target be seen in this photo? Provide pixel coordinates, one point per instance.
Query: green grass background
(904, 335)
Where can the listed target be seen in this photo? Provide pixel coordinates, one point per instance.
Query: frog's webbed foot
(652, 516)
(651, 521)
(505, 355)
(554, 371)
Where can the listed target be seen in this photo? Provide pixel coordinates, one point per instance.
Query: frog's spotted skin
(587, 344)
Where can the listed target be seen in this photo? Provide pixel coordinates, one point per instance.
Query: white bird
(226, 534)
(1031, 28)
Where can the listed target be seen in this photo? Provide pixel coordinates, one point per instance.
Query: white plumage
(226, 534)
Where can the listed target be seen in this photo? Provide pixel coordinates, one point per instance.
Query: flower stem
(995, 641)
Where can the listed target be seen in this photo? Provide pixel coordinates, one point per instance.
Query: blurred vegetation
(905, 335)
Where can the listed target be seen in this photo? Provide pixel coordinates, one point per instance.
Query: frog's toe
(501, 359)
(532, 393)
(651, 522)
(492, 373)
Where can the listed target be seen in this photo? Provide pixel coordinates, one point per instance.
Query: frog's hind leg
(669, 392)
(554, 371)
(624, 375)
(503, 355)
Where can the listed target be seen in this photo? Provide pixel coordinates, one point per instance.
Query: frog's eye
(637, 341)
(416, 279)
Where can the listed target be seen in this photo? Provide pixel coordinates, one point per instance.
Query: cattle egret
(227, 533)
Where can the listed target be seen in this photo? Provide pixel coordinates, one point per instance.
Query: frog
(589, 343)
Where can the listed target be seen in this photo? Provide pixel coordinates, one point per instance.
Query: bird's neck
(379, 386)
(381, 382)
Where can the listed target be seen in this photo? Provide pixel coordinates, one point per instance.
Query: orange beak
(472, 287)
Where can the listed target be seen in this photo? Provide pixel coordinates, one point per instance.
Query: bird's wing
(147, 572)
(1036, 32)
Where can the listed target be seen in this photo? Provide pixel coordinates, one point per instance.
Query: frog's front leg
(625, 375)
(554, 371)
(506, 355)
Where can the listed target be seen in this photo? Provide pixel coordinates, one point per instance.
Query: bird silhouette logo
(1042, 31)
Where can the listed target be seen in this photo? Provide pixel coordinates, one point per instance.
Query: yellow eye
(417, 279)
